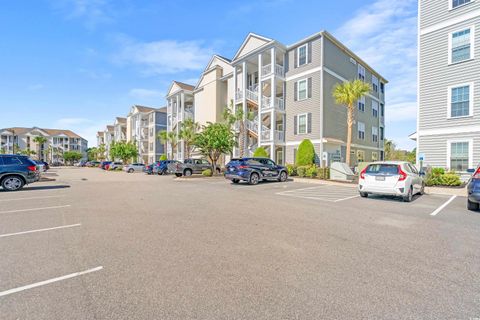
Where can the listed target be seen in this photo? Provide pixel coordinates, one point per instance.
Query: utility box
(341, 171)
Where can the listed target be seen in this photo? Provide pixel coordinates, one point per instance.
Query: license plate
(379, 178)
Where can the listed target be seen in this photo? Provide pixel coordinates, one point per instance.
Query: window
(461, 45)
(361, 130)
(361, 72)
(382, 133)
(374, 83)
(302, 89)
(361, 104)
(302, 124)
(151, 146)
(11, 161)
(460, 101)
(374, 134)
(302, 55)
(459, 156)
(375, 109)
(374, 156)
(458, 3)
(382, 109)
(360, 156)
(382, 155)
(382, 87)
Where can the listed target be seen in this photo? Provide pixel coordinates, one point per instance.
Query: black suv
(17, 171)
(254, 170)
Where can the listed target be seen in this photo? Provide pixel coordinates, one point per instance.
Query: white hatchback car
(394, 178)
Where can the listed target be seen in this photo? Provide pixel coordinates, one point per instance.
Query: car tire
(164, 172)
(254, 178)
(363, 194)
(12, 183)
(236, 181)
(130, 170)
(178, 175)
(283, 176)
(409, 196)
(187, 172)
(472, 205)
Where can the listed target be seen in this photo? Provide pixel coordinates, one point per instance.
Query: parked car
(114, 165)
(473, 187)
(103, 164)
(82, 163)
(40, 166)
(254, 170)
(149, 168)
(189, 167)
(134, 167)
(92, 164)
(16, 171)
(161, 167)
(393, 178)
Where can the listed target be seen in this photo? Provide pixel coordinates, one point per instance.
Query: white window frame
(375, 83)
(298, 123)
(361, 71)
(358, 130)
(306, 89)
(450, 5)
(471, 85)
(306, 55)
(470, 151)
(377, 108)
(361, 100)
(375, 133)
(472, 44)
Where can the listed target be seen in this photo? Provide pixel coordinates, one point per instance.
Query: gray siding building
(448, 128)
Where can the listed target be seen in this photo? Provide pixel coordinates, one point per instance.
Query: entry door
(279, 158)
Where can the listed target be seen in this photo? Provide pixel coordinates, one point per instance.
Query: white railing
(280, 103)
(279, 70)
(252, 126)
(251, 95)
(267, 103)
(266, 135)
(188, 115)
(239, 95)
(267, 70)
(279, 136)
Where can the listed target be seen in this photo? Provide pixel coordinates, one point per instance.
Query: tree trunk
(349, 132)
(241, 142)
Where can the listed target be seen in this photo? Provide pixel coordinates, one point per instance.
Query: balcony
(266, 134)
(267, 70)
(279, 136)
(252, 126)
(249, 94)
(268, 103)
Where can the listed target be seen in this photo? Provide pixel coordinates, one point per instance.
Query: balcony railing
(252, 95)
(266, 135)
(267, 70)
(267, 103)
(252, 125)
(279, 136)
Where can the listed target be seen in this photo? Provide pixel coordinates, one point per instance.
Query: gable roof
(121, 120)
(252, 41)
(177, 85)
(49, 132)
(143, 108)
(211, 64)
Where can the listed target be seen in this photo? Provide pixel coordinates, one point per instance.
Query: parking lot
(110, 245)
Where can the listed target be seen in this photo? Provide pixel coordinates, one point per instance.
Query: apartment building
(179, 107)
(16, 139)
(100, 138)
(286, 95)
(157, 122)
(448, 125)
(120, 129)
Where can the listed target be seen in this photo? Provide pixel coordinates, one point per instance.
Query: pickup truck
(189, 167)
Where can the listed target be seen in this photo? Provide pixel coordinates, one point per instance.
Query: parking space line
(434, 213)
(38, 230)
(35, 209)
(347, 198)
(42, 283)
(31, 198)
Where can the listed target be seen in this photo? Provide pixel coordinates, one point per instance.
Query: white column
(235, 86)
(260, 95)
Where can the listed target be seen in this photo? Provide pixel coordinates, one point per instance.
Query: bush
(451, 179)
(292, 170)
(260, 152)
(323, 173)
(163, 157)
(207, 173)
(437, 171)
(302, 171)
(438, 177)
(305, 153)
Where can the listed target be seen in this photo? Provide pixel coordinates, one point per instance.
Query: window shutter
(309, 46)
(295, 125)
(309, 87)
(295, 58)
(295, 91)
(309, 123)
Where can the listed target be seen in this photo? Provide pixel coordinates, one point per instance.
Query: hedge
(305, 153)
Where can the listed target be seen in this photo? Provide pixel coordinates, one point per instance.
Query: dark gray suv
(17, 171)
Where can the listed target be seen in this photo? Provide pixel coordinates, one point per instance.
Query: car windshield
(390, 169)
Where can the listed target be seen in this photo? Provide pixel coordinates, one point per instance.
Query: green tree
(235, 116)
(305, 153)
(26, 152)
(163, 157)
(72, 156)
(39, 141)
(169, 138)
(347, 94)
(125, 151)
(214, 140)
(260, 152)
(92, 153)
(389, 147)
(101, 150)
(187, 133)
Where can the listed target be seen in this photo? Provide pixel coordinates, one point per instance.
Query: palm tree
(389, 149)
(188, 133)
(347, 94)
(238, 117)
(170, 138)
(39, 140)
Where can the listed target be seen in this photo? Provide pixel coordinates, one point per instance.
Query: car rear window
(235, 162)
(12, 160)
(390, 169)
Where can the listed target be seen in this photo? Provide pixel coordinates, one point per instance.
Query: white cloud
(145, 93)
(164, 56)
(92, 12)
(384, 34)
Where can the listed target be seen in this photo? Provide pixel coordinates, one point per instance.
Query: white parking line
(347, 198)
(42, 283)
(434, 213)
(39, 230)
(35, 209)
(31, 198)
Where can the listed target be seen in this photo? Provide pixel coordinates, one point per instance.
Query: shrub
(207, 172)
(305, 153)
(437, 171)
(302, 171)
(163, 157)
(451, 179)
(260, 152)
(438, 177)
(323, 173)
(311, 172)
(292, 170)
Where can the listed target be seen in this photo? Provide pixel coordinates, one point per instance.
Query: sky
(78, 64)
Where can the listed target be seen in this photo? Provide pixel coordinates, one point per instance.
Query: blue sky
(79, 63)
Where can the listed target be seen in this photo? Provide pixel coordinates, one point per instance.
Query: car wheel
(164, 172)
(472, 205)
(178, 175)
(254, 179)
(187, 173)
(409, 196)
(130, 170)
(12, 183)
(363, 194)
(235, 181)
(283, 176)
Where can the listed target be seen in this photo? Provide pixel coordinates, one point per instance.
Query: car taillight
(362, 174)
(242, 167)
(402, 174)
(32, 168)
(476, 175)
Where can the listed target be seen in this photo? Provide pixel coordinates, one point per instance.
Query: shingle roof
(110, 128)
(50, 132)
(121, 120)
(143, 108)
(185, 86)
